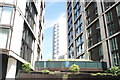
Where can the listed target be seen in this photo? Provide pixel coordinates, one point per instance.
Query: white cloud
(50, 23)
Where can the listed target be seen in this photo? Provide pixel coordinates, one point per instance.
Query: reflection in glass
(6, 19)
(3, 37)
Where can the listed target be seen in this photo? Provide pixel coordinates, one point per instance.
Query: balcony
(64, 65)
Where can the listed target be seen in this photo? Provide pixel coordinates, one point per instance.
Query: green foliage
(61, 60)
(65, 76)
(57, 71)
(50, 60)
(45, 71)
(74, 68)
(114, 70)
(26, 67)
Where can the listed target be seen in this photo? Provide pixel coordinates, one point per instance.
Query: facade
(59, 41)
(55, 41)
(21, 35)
(94, 30)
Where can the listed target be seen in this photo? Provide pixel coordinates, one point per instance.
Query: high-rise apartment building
(94, 30)
(59, 41)
(21, 34)
(55, 41)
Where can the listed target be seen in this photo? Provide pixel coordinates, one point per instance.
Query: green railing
(81, 64)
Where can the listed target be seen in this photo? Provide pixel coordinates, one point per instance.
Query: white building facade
(21, 34)
(60, 40)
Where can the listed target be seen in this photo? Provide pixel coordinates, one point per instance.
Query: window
(88, 17)
(100, 50)
(97, 26)
(111, 29)
(95, 9)
(119, 21)
(0, 12)
(30, 14)
(70, 22)
(3, 37)
(71, 55)
(90, 54)
(94, 4)
(77, 11)
(113, 44)
(87, 13)
(69, 9)
(118, 10)
(79, 45)
(116, 59)
(109, 17)
(70, 37)
(108, 4)
(74, 2)
(27, 52)
(96, 13)
(6, 19)
(27, 41)
(86, 2)
(78, 30)
(9, 1)
(87, 21)
(78, 26)
(89, 42)
(98, 35)
(89, 31)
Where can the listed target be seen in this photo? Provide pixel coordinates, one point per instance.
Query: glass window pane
(0, 12)
(109, 17)
(9, 1)
(6, 19)
(118, 10)
(119, 22)
(3, 37)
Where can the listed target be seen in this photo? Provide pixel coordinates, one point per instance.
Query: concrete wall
(11, 68)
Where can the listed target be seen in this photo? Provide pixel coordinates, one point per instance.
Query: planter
(45, 72)
(36, 72)
(65, 76)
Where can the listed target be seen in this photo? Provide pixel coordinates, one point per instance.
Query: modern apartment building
(55, 41)
(94, 30)
(21, 34)
(59, 41)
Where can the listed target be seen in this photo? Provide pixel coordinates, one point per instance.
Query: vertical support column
(74, 45)
(11, 68)
(103, 29)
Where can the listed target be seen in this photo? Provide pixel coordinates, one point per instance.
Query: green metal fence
(81, 64)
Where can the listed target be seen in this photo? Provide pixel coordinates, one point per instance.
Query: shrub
(45, 71)
(50, 60)
(115, 70)
(74, 68)
(101, 74)
(26, 67)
